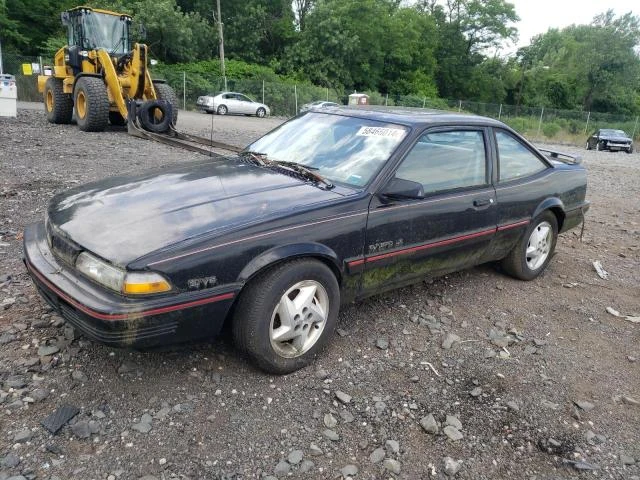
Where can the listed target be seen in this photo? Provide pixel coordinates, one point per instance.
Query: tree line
(432, 48)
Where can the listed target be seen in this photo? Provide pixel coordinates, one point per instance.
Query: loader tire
(166, 93)
(91, 104)
(116, 119)
(57, 104)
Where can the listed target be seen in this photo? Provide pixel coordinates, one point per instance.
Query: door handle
(482, 202)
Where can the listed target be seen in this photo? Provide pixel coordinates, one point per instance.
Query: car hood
(123, 218)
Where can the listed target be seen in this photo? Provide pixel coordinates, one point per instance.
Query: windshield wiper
(263, 160)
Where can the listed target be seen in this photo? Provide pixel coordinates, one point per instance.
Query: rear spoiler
(562, 157)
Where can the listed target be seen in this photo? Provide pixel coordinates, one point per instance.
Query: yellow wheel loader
(99, 75)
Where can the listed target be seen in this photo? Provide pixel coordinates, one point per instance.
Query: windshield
(110, 32)
(609, 131)
(341, 149)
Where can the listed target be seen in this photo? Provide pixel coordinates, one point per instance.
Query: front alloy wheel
(286, 315)
(299, 319)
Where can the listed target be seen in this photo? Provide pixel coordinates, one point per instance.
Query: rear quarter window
(515, 159)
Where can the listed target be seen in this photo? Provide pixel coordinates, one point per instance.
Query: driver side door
(408, 239)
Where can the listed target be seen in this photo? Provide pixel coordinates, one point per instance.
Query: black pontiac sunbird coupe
(328, 208)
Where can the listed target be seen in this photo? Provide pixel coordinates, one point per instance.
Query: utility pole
(221, 45)
(1, 72)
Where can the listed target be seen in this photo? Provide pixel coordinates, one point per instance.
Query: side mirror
(400, 188)
(64, 18)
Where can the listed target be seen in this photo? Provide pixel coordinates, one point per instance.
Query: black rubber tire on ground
(152, 122)
(261, 113)
(588, 145)
(599, 146)
(166, 93)
(116, 119)
(630, 149)
(91, 104)
(515, 264)
(222, 110)
(57, 104)
(256, 304)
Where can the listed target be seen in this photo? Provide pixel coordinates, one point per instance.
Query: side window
(516, 160)
(446, 160)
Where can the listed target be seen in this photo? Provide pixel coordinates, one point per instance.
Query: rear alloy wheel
(91, 104)
(222, 110)
(532, 254)
(286, 316)
(57, 104)
(261, 113)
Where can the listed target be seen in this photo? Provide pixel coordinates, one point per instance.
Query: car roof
(412, 117)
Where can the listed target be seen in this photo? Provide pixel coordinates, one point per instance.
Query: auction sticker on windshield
(380, 132)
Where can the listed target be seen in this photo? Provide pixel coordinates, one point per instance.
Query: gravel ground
(473, 375)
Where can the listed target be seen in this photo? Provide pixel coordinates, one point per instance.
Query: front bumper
(117, 320)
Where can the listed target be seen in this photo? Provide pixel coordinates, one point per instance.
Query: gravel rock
(7, 338)
(127, 367)
(282, 468)
(295, 457)
(476, 392)
(315, 450)
(330, 421)
(392, 465)
(23, 436)
(454, 422)
(630, 400)
(343, 397)
(347, 416)
(382, 343)
(48, 350)
(377, 455)
(349, 470)
(331, 435)
(79, 376)
(11, 460)
(429, 424)
(627, 459)
(584, 405)
(451, 466)
(453, 433)
(392, 446)
(144, 425)
(449, 340)
(512, 405)
(306, 466)
(81, 429)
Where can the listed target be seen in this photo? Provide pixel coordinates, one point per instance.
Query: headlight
(100, 271)
(132, 283)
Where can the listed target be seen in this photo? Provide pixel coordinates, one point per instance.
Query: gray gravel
(536, 356)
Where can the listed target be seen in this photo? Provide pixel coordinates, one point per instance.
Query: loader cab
(91, 29)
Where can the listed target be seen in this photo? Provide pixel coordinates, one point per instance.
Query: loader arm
(113, 83)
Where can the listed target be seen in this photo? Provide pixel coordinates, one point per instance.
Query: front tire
(261, 113)
(530, 257)
(588, 147)
(57, 104)
(91, 104)
(630, 149)
(599, 146)
(287, 315)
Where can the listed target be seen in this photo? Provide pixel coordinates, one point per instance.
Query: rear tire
(309, 291)
(166, 93)
(57, 104)
(530, 257)
(91, 104)
(222, 110)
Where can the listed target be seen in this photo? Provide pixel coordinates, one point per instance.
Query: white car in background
(231, 102)
(318, 104)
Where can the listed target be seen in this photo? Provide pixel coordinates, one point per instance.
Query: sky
(537, 16)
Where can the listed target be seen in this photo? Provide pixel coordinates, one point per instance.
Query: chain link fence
(286, 98)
